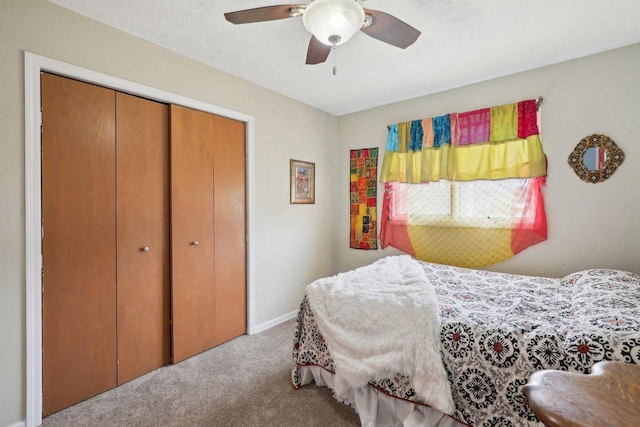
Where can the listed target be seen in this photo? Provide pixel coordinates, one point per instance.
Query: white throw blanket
(380, 320)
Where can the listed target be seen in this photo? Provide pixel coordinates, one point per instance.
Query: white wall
(292, 248)
(589, 224)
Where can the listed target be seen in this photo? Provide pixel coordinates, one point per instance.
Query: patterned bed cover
(498, 328)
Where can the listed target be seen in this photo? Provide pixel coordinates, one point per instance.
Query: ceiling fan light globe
(333, 20)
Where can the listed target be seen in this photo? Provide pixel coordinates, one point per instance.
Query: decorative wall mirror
(595, 158)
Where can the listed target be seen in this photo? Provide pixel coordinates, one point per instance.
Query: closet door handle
(146, 249)
(195, 243)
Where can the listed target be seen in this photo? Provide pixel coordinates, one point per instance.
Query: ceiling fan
(332, 23)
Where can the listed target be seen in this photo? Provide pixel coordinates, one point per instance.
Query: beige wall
(291, 245)
(589, 224)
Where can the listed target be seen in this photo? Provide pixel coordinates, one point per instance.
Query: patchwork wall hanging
(363, 192)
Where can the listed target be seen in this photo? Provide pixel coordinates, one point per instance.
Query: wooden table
(609, 396)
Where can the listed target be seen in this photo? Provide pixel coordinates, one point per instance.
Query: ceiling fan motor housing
(333, 22)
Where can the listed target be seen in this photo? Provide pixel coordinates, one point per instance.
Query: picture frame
(302, 182)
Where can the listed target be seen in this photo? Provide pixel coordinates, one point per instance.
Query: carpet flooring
(244, 382)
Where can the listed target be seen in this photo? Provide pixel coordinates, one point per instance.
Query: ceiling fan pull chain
(335, 67)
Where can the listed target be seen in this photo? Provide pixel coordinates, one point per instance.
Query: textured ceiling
(462, 42)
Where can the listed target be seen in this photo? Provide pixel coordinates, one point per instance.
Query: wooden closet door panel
(193, 293)
(230, 229)
(79, 244)
(143, 236)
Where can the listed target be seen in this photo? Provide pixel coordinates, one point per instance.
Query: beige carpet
(244, 382)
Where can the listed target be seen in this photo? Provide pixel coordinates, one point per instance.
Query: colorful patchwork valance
(490, 143)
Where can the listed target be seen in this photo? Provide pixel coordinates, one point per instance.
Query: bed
(486, 333)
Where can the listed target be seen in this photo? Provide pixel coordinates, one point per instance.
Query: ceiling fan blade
(260, 14)
(317, 52)
(390, 29)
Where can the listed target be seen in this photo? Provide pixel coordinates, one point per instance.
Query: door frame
(33, 65)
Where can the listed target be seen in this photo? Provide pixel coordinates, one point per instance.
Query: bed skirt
(375, 408)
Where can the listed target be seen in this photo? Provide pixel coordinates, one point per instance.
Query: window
(473, 198)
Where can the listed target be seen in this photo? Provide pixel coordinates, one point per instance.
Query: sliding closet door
(79, 242)
(192, 232)
(143, 275)
(230, 229)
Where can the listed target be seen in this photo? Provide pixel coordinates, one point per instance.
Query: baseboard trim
(274, 322)
(18, 424)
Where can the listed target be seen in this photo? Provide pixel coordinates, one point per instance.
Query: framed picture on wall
(303, 186)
